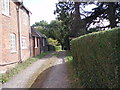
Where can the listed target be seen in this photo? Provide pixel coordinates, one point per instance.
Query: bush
(53, 42)
(58, 48)
(96, 58)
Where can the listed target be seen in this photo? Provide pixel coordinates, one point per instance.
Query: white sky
(41, 9)
(44, 9)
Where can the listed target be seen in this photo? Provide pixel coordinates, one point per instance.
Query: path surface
(48, 72)
(55, 77)
(25, 78)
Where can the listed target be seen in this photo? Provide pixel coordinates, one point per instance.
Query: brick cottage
(39, 43)
(14, 33)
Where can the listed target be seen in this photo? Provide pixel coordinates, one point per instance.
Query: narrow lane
(54, 77)
(26, 77)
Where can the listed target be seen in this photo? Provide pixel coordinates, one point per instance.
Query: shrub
(53, 42)
(96, 58)
(58, 48)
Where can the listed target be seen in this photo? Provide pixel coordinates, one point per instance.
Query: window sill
(36, 47)
(24, 48)
(13, 52)
(6, 15)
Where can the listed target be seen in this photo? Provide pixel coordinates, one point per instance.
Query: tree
(103, 11)
(78, 25)
(69, 14)
(42, 23)
(42, 26)
(74, 20)
(58, 31)
(55, 30)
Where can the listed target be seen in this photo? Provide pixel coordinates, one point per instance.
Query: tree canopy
(74, 20)
(81, 19)
(55, 30)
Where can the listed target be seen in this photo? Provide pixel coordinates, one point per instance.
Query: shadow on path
(55, 76)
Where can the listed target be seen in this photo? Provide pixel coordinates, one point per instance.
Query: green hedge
(97, 58)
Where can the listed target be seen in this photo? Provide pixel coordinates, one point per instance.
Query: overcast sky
(44, 9)
(41, 9)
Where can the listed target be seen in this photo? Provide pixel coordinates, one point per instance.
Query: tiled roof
(36, 33)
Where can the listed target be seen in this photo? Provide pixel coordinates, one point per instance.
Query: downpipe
(19, 33)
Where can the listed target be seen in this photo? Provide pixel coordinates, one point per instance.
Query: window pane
(13, 42)
(5, 7)
(24, 43)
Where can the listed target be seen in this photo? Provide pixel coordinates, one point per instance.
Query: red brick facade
(9, 25)
(1, 35)
(35, 50)
(36, 42)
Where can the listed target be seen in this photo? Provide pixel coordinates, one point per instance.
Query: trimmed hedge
(97, 59)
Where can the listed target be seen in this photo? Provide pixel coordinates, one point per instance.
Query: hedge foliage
(97, 59)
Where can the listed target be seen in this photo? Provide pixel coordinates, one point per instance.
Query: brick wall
(0, 36)
(10, 25)
(25, 32)
(36, 51)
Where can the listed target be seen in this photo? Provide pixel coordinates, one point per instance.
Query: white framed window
(24, 43)
(36, 42)
(25, 17)
(13, 42)
(6, 7)
(43, 42)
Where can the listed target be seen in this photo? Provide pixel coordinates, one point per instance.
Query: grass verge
(74, 80)
(19, 67)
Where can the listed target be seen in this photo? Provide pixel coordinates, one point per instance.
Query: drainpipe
(30, 37)
(19, 32)
(30, 43)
